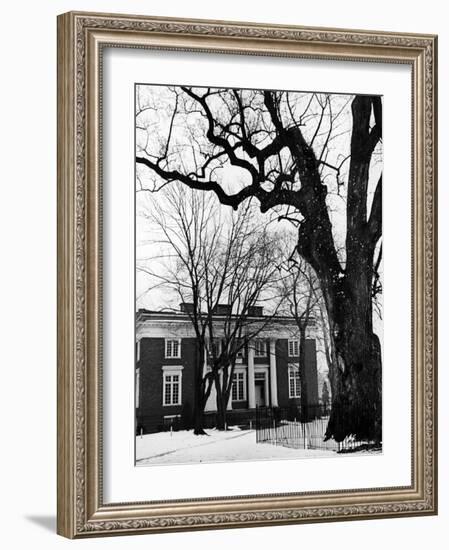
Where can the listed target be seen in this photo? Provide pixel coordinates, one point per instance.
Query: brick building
(266, 373)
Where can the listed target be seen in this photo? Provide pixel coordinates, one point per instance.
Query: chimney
(255, 311)
(186, 307)
(222, 309)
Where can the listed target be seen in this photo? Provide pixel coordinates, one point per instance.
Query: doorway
(260, 392)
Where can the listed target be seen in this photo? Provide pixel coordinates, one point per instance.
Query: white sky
(154, 110)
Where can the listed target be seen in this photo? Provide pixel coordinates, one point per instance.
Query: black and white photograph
(258, 274)
(224, 351)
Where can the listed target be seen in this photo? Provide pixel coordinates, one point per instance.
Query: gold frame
(81, 37)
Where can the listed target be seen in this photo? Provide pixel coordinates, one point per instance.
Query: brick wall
(151, 411)
(282, 361)
(152, 358)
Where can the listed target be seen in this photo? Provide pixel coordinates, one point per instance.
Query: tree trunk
(357, 405)
(357, 377)
(198, 422)
(221, 405)
(221, 413)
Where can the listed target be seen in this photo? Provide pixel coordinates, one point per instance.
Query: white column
(138, 350)
(273, 377)
(267, 390)
(251, 387)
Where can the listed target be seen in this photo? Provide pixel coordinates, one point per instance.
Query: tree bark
(357, 405)
(356, 391)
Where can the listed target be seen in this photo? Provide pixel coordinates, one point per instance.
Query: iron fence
(300, 428)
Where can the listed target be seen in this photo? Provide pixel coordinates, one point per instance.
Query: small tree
(208, 260)
(252, 279)
(302, 297)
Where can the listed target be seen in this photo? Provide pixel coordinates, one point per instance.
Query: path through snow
(218, 446)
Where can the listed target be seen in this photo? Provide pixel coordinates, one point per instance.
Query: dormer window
(173, 348)
(293, 348)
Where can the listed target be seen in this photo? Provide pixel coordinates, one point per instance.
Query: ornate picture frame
(82, 39)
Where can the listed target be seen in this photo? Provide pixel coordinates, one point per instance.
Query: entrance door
(260, 393)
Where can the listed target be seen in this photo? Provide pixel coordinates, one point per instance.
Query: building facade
(267, 370)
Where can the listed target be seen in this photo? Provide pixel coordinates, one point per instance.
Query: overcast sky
(155, 105)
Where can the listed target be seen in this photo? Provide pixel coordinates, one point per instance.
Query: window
(172, 385)
(172, 389)
(293, 348)
(260, 347)
(173, 349)
(238, 386)
(294, 381)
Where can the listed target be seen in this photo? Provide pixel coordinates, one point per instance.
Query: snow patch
(184, 447)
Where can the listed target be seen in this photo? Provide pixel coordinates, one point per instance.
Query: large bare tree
(297, 154)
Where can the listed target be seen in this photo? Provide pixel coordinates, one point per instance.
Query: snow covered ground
(218, 446)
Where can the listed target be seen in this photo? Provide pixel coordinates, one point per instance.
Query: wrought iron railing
(301, 428)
